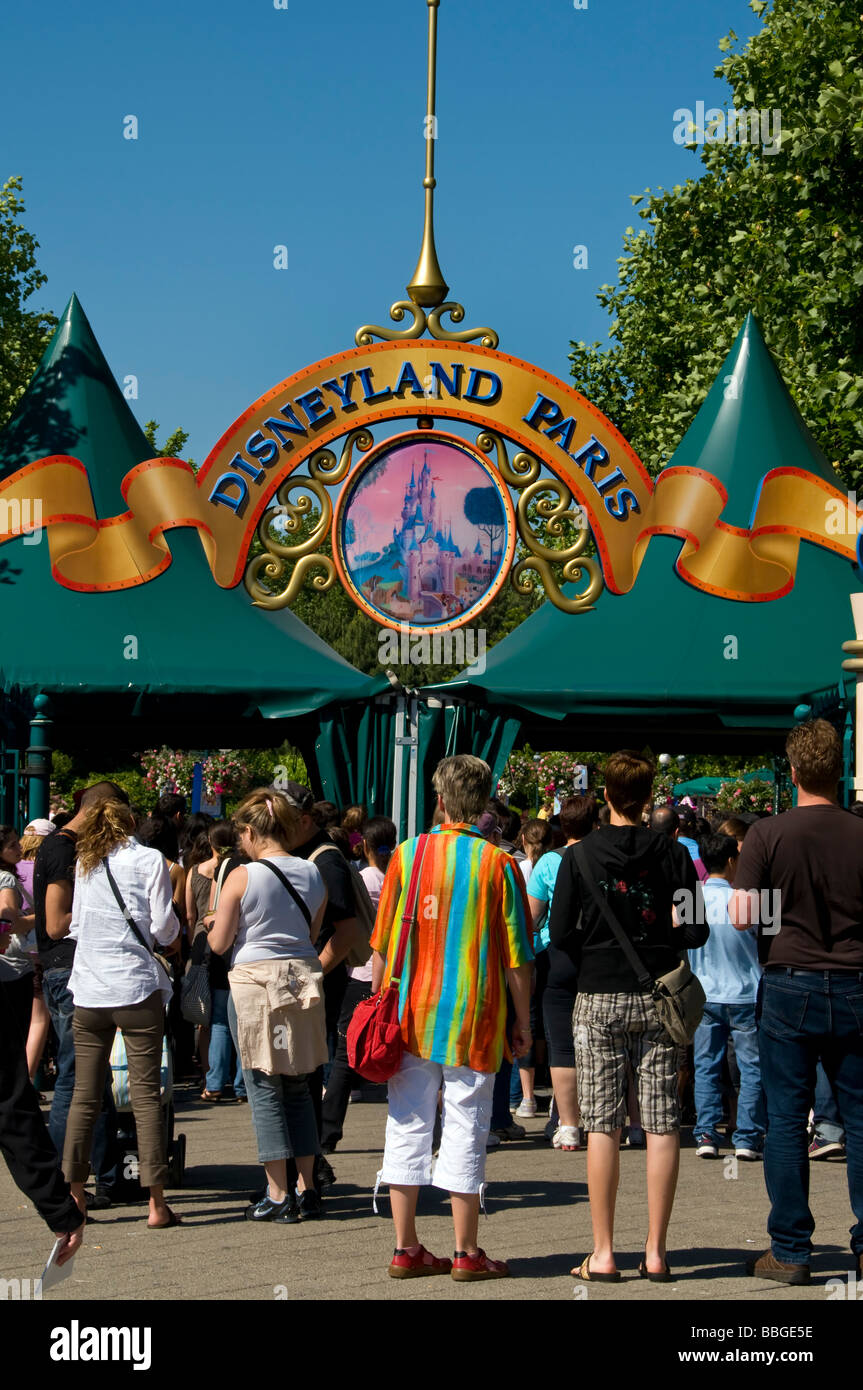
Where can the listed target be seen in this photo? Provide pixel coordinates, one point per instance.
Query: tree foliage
(24, 333)
(173, 445)
(780, 234)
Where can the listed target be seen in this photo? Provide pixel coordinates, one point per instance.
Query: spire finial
(428, 288)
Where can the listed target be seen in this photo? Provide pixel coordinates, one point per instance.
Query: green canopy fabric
(179, 634)
(667, 650)
(709, 786)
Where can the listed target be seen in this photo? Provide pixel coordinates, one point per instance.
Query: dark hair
(340, 837)
(194, 845)
(702, 827)
(578, 816)
(716, 850)
(604, 814)
(8, 833)
(222, 837)
(380, 835)
(629, 781)
(171, 804)
(856, 807)
(814, 751)
(61, 818)
(536, 839)
(99, 791)
(686, 817)
(160, 834)
(326, 813)
(508, 819)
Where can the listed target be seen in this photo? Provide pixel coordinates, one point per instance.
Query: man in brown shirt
(800, 878)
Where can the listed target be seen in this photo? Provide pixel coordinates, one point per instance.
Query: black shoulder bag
(292, 890)
(678, 996)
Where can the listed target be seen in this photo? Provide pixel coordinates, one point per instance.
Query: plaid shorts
(613, 1033)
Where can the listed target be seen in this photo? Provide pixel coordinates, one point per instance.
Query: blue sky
(303, 127)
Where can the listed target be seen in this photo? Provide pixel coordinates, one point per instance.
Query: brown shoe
(768, 1267)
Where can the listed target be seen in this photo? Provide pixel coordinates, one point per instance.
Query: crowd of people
(533, 949)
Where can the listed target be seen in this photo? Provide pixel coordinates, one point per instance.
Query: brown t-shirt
(813, 856)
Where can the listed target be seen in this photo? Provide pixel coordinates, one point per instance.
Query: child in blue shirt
(727, 966)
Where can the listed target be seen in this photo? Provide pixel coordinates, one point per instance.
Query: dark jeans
(61, 1007)
(805, 1015)
(343, 1078)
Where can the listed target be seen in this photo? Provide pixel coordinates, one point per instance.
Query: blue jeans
(221, 1049)
(828, 1122)
(721, 1021)
(61, 1007)
(282, 1110)
(805, 1015)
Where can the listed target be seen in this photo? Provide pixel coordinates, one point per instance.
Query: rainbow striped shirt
(472, 917)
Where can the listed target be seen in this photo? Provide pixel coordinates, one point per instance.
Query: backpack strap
(130, 921)
(291, 889)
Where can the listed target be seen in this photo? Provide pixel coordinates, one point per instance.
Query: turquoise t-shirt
(727, 963)
(540, 885)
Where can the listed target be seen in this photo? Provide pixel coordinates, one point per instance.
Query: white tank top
(272, 927)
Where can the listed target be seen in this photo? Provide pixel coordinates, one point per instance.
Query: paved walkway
(539, 1221)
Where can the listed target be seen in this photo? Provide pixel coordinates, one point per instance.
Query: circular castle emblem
(424, 532)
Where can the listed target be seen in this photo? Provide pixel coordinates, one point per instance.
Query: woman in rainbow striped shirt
(470, 941)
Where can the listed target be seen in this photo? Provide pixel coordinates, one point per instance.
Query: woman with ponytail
(271, 911)
(205, 883)
(378, 843)
(121, 908)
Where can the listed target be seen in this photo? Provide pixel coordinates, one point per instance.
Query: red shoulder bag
(375, 1044)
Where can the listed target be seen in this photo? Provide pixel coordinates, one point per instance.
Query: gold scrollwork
(554, 513)
(420, 322)
(572, 572)
(523, 470)
(274, 568)
(325, 471)
(487, 336)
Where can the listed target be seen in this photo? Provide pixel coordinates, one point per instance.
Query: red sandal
(417, 1266)
(467, 1267)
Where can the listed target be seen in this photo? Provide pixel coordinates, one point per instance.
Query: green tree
(173, 445)
(24, 333)
(778, 233)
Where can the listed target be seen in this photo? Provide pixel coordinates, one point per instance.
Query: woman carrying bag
(272, 909)
(121, 908)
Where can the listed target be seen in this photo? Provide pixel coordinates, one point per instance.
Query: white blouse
(111, 968)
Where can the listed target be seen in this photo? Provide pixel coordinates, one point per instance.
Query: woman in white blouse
(122, 906)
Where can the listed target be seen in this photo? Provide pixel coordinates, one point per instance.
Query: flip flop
(663, 1276)
(165, 1225)
(583, 1272)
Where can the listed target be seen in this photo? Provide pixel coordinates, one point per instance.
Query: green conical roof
(669, 648)
(748, 425)
(74, 406)
(178, 634)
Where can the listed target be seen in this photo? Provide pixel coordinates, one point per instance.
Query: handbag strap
(220, 879)
(292, 890)
(130, 921)
(410, 913)
(642, 974)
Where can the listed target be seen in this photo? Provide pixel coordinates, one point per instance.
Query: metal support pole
(38, 768)
(855, 663)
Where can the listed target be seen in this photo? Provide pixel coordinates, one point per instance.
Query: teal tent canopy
(185, 660)
(667, 656)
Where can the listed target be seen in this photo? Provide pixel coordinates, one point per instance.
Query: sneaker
(706, 1147)
(567, 1137)
(527, 1110)
(309, 1205)
(417, 1266)
(826, 1148)
(768, 1267)
(493, 1140)
(282, 1213)
(100, 1200)
(748, 1155)
(466, 1268)
(510, 1132)
(635, 1138)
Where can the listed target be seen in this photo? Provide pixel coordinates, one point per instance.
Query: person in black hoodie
(650, 884)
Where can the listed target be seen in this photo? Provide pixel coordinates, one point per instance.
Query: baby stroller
(175, 1145)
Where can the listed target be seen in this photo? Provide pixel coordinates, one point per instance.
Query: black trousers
(343, 1078)
(24, 1140)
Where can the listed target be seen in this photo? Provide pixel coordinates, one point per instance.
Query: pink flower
(620, 886)
(648, 915)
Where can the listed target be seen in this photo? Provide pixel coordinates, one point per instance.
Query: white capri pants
(466, 1119)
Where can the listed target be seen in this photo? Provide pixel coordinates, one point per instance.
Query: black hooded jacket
(638, 871)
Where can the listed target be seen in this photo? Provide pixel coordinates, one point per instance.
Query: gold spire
(428, 287)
